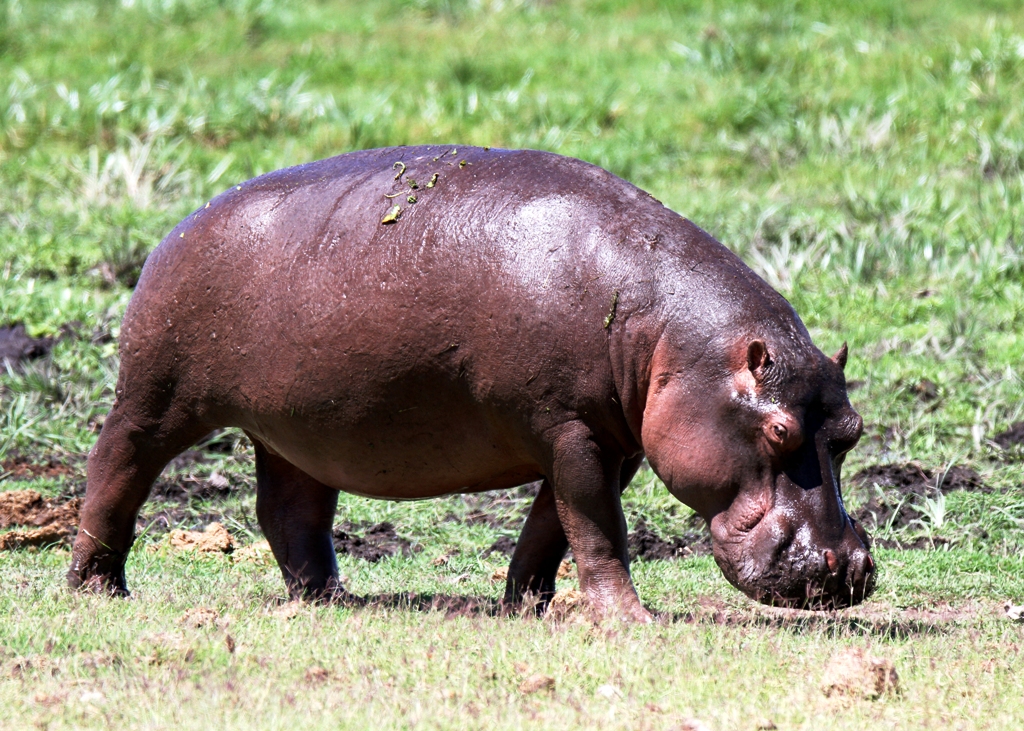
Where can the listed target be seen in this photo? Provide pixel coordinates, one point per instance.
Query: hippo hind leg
(138, 439)
(542, 545)
(296, 514)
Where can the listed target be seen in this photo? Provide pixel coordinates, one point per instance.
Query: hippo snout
(801, 572)
(842, 577)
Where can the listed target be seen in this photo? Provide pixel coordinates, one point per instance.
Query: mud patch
(16, 346)
(38, 521)
(1012, 437)
(645, 543)
(893, 491)
(377, 542)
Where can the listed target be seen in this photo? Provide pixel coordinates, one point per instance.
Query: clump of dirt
(50, 522)
(856, 674)
(48, 535)
(892, 489)
(17, 467)
(16, 346)
(377, 542)
(645, 543)
(258, 553)
(214, 539)
(1014, 436)
(565, 603)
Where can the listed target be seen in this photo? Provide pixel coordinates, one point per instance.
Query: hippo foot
(98, 572)
(332, 593)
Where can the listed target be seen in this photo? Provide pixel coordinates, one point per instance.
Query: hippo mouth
(817, 595)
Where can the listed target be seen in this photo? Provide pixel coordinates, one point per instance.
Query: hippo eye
(780, 432)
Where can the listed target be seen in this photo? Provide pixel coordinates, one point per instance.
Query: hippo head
(754, 441)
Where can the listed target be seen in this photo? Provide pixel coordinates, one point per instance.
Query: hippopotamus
(412, 322)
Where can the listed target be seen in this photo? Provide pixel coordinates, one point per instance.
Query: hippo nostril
(832, 561)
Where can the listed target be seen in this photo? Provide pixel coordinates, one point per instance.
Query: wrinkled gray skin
(529, 317)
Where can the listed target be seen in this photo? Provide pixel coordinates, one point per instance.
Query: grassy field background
(866, 158)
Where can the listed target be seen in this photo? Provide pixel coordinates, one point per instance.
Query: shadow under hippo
(412, 322)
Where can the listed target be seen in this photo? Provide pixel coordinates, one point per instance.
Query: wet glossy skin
(527, 317)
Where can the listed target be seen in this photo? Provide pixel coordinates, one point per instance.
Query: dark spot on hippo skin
(16, 346)
(376, 542)
(647, 544)
(1012, 437)
(893, 490)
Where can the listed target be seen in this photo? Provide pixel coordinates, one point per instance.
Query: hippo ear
(840, 358)
(758, 358)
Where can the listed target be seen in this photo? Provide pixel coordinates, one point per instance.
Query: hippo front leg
(587, 490)
(542, 545)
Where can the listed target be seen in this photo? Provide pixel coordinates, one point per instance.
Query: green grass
(866, 158)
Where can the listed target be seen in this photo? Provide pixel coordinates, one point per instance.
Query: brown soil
(48, 535)
(1012, 437)
(647, 544)
(16, 346)
(17, 467)
(48, 522)
(377, 542)
(893, 490)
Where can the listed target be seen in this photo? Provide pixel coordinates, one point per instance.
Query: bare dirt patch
(18, 467)
(37, 521)
(647, 544)
(376, 542)
(1012, 437)
(894, 489)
